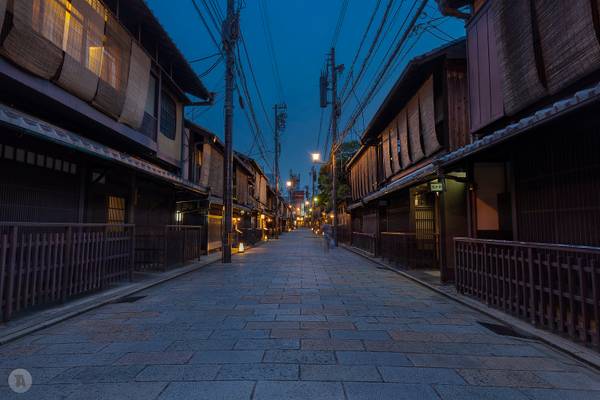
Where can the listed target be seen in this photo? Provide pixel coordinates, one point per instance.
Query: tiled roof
(556, 110)
(36, 127)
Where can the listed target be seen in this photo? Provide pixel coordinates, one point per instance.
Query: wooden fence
(409, 249)
(44, 263)
(365, 242)
(555, 287)
(251, 236)
(344, 234)
(162, 246)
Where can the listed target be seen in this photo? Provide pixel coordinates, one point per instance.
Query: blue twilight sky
(302, 32)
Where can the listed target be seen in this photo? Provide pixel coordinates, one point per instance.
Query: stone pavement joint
(288, 321)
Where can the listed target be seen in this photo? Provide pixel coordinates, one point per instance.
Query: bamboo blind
(216, 173)
(414, 129)
(2, 12)
(403, 138)
(568, 40)
(393, 129)
(205, 171)
(386, 153)
(81, 66)
(373, 168)
(110, 96)
(521, 83)
(137, 87)
(35, 39)
(242, 187)
(263, 190)
(427, 111)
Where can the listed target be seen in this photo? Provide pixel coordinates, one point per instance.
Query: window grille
(168, 116)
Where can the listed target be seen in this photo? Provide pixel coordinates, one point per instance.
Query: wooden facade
(423, 117)
(100, 175)
(532, 241)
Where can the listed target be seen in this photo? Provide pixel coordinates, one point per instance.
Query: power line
(204, 58)
(208, 29)
(260, 98)
(362, 42)
(340, 22)
(271, 48)
(376, 84)
(371, 48)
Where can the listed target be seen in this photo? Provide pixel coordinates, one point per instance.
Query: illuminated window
(94, 59)
(48, 19)
(110, 71)
(115, 210)
(168, 116)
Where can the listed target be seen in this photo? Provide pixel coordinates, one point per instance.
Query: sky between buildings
(302, 32)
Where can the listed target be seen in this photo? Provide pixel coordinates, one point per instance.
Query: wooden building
(533, 244)
(397, 210)
(252, 196)
(100, 176)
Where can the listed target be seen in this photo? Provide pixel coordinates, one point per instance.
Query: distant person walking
(327, 235)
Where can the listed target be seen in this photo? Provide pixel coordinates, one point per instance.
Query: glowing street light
(316, 157)
(288, 184)
(306, 203)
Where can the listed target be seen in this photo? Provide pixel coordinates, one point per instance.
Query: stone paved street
(288, 321)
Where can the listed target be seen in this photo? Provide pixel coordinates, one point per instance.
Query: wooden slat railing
(410, 249)
(251, 236)
(44, 263)
(344, 233)
(365, 242)
(162, 246)
(553, 286)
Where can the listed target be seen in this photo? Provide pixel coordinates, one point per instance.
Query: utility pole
(335, 114)
(279, 125)
(229, 38)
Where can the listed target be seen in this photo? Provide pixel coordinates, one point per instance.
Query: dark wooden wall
(558, 184)
(30, 193)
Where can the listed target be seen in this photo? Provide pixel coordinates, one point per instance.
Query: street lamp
(288, 184)
(316, 157)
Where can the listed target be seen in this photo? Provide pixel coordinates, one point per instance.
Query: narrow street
(288, 321)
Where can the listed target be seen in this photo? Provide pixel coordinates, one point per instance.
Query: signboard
(436, 187)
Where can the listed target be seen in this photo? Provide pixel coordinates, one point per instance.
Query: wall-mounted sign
(436, 187)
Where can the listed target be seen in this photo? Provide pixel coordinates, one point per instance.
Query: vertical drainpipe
(442, 238)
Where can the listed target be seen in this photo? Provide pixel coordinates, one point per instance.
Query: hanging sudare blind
(35, 39)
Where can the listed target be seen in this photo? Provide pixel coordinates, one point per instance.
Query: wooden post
(11, 271)
(531, 285)
(132, 254)
(67, 263)
(444, 273)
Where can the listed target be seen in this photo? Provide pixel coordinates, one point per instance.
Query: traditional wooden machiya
(395, 211)
(100, 175)
(533, 206)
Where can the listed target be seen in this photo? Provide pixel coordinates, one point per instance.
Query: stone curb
(111, 296)
(580, 353)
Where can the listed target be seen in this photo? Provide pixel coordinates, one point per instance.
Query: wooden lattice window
(168, 116)
(115, 210)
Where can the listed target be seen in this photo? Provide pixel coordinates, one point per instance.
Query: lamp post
(316, 160)
(288, 184)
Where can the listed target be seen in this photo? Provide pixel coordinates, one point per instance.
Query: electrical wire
(340, 22)
(271, 48)
(382, 73)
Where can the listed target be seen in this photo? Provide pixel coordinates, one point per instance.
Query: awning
(545, 115)
(35, 127)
